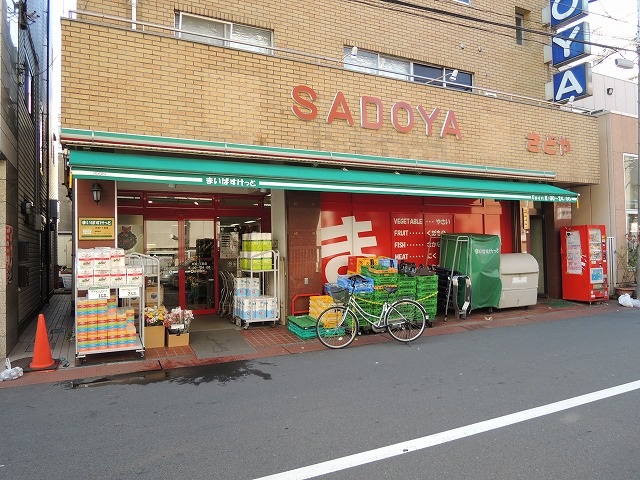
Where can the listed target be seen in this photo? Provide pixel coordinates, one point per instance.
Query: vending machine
(583, 250)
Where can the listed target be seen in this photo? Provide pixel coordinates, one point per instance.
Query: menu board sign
(435, 225)
(407, 237)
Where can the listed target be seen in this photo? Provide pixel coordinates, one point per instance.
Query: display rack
(256, 289)
(110, 316)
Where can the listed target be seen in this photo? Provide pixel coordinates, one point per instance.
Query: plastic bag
(625, 300)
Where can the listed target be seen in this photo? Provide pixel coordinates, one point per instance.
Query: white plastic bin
(519, 274)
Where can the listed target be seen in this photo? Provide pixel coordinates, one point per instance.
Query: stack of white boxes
(249, 303)
(105, 267)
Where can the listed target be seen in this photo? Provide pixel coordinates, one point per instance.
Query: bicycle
(337, 326)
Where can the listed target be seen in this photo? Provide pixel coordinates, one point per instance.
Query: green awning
(208, 173)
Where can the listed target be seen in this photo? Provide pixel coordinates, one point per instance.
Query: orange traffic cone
(42, 358)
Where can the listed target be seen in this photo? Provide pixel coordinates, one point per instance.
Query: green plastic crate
(303, 333)
(427, 281)
(304, 326)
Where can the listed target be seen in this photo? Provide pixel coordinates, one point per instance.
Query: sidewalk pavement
(255, 342)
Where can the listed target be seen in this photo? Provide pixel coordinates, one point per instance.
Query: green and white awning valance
(211, 173)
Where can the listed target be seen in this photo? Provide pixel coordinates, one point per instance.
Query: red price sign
(435, 225)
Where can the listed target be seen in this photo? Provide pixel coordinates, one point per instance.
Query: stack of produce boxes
(102, 325)
(319, 303)
(383, 273)
(256, 252)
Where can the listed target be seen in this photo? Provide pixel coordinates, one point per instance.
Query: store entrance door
(186, 249)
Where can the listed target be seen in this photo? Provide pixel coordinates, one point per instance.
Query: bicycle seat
(391, 288)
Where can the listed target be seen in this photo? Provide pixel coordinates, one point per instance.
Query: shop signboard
(346, 233)
(96, 229)
(568, 46)
(571, 84)
(407, 237)
(435, 225)
(563, 12)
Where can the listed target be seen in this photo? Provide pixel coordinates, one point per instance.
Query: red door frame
(155, 211)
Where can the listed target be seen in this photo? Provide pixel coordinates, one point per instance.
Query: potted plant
(154, 326)
(626, 260)
(177, 323)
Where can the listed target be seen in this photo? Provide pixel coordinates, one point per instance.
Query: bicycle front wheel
(405, 320)
(336, 327)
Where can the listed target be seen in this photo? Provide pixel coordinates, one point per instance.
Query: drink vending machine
(583, 250)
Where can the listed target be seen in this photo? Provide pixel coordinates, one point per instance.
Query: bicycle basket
(339, 294)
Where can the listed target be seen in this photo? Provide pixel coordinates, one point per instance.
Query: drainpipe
(134, 5)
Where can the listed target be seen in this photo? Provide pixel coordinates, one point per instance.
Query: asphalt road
(273, 417)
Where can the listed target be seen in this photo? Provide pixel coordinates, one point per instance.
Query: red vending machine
(583, 249)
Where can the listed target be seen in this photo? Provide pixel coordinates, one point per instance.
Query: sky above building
(614, 23)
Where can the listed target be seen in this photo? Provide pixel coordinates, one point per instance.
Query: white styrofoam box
(85, 258)
(246, 308)
(101, 278)
(84, 280)
(117, 257)
(118, 277)
(260, 307)
(271, 307)
(102, 258)
(253, 287)
(134, 276)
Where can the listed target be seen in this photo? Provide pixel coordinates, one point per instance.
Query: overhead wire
(384, 4)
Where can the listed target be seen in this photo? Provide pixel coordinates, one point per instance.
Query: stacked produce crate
(382, 276)
(318, 304)
(427, 294)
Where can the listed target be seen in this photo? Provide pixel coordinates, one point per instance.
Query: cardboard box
(175, 340)
(153, 295)
(154, 336)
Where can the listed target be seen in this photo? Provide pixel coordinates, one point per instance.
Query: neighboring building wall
(8, 178)
(24, 175)
(604, 203)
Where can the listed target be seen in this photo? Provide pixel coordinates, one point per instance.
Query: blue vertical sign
(571, 44)
(567, 11)
(573, 84)
(568, 46)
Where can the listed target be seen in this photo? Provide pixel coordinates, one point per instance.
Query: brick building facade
(280, 85)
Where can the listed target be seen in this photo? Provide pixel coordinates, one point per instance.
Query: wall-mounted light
(96, 191)
(610, 91)
(27, 207)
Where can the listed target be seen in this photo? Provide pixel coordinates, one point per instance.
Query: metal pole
(637, 239)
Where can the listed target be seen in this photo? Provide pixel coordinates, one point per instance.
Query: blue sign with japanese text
(571, 44)
(567, 11)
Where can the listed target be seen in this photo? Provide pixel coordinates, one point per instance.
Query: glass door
(185, 248)
(199, 266)
(162, 242)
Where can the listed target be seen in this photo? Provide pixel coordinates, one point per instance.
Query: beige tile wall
(120, 80)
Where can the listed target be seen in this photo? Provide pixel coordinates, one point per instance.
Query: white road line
(330, 466)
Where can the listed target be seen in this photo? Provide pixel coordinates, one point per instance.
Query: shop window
(630, 163)
(393, 67)
(519, 29)
(224, 34)
(28, 88)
